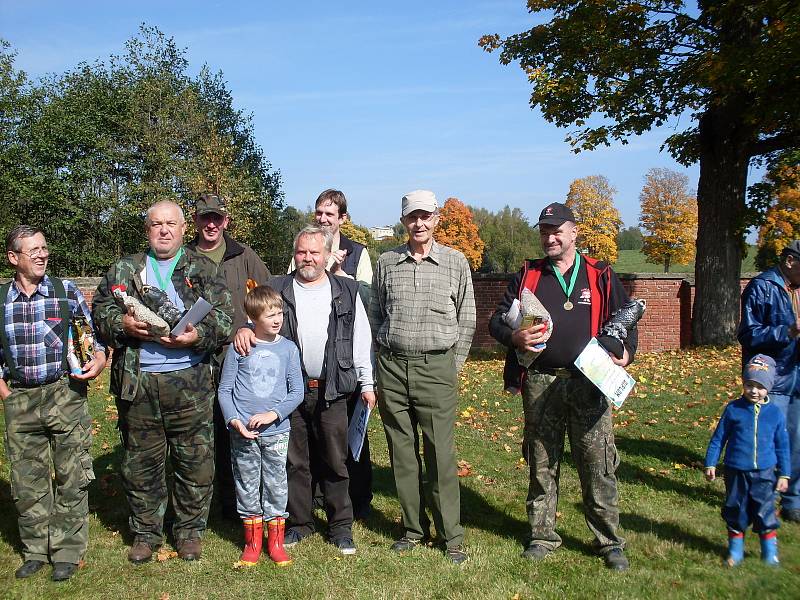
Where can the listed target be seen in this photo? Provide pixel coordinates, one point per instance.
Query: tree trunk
(720, 210)
(666, 264)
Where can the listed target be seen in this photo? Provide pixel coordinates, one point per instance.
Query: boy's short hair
(260, 299)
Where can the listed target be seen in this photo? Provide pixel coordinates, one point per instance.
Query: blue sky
(373, 98)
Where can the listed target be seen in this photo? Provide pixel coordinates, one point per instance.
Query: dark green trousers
(171, 417)
(48, 443)
(419, 393)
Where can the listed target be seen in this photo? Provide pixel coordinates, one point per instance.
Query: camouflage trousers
(554, 406)
(259, 472)
(48, 439)
(170, 418)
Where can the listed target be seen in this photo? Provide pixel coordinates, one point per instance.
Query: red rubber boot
(275, 530)
(253, 534)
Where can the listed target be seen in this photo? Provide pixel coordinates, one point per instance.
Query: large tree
(91, 148)
(616, 68)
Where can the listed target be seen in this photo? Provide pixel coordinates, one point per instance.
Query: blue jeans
(259, 474)
(790, 407)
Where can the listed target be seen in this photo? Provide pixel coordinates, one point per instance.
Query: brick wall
(666, 325)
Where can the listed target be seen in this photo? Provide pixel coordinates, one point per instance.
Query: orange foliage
(592, 200)
(457, 230)
(782, 223)
(669, 218)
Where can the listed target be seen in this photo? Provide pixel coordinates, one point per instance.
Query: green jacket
(194, 276)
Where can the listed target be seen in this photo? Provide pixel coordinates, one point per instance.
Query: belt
(17, 385)
(313, 384)
(561, 373)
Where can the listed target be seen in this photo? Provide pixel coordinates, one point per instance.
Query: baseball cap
(761, 369)
(419, 200)
(793, 248)
(555, 214)
(210, 203)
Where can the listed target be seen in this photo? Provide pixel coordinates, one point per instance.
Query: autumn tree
(782, 223)
(669, 218)
(458, 230)
(357, 233)
(592, 200)
(611, 69)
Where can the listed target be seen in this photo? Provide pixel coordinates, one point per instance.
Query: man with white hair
(163, 384)
(324, 316)
(423, 314)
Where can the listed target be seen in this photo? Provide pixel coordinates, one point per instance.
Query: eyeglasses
(43, 252)
(425, 217)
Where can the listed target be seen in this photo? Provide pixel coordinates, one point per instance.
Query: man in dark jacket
(580, 293)
(348, 259)
(770, 325)
(239, 263)
(324, 316)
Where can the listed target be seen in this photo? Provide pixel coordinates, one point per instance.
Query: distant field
(633, 261)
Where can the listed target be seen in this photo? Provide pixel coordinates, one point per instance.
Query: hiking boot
(190, 549)
(140, 552)
(28, 568)
(535, 552)
(456, 554)
(345, 545)
(405, 544)
(63, 570)
(616, 560)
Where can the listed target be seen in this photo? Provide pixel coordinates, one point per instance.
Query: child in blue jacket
(753, 432)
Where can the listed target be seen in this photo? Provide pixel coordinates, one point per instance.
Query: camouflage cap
(210, 203)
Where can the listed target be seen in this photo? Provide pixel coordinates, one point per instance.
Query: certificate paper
(194, 315)
(611, 379)
(358, 428)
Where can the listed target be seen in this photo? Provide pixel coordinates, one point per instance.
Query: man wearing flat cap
(239, 263)
(579, 293)
(770, 325)
(422, 312)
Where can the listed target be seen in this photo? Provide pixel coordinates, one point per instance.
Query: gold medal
(568, 305)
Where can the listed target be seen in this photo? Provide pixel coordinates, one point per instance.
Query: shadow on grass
(9, 531)
(672, 533)
(106, 496)
(664, 452)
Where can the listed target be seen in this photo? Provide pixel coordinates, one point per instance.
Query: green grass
(633, 261)
(669, 514)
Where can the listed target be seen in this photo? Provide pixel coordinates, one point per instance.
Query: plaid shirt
(424, 306)
(33, 327)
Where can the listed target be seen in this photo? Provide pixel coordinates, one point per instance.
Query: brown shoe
(189, 549)
(140, 552)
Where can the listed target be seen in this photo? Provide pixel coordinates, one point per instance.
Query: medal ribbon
(572, 280)
(163, 283)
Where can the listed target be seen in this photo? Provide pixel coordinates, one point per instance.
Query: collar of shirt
(433, 255)
(43, 288)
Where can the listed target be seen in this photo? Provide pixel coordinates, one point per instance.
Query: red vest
(532, 272)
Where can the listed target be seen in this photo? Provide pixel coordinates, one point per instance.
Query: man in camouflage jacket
(163, 385)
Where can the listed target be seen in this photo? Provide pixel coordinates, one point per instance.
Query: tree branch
(775, 143)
